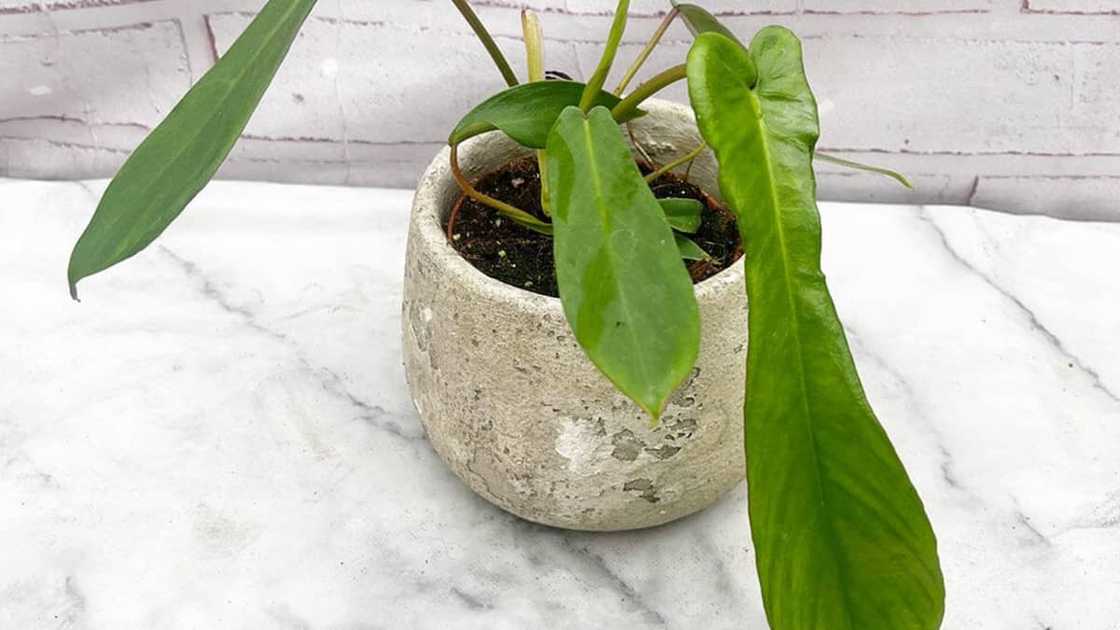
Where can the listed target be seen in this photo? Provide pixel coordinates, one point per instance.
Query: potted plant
(621, 401)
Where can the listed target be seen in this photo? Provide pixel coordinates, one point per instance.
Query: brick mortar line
(244, 137)
(1072, 13)
(1026, 8)
(206, 17)
(62, 5)
(672, 41)
(70, 119)
(119, 28)
(498, 6)
(916, 14)
(313, 140)
(1051, 177)
(1043, 154)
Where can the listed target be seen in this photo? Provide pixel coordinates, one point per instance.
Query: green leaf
(688, 248)
(626, 294)
(527, 112)
(180, 156)
(699, 21)
(859, 166)
(841, 537)
(684, 215)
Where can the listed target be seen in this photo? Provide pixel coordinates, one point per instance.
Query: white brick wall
(1011, 104)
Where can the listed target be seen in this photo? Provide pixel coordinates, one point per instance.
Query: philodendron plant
(841, 538)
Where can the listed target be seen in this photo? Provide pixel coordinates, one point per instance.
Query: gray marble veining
(219, 435)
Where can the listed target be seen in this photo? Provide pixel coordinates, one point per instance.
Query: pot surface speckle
(510, 402)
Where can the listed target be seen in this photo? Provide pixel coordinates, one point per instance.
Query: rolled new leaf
(625, 292)
(842, 540)
(180, 156)
(527, 112)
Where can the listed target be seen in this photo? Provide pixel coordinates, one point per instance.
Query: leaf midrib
(800, 354)
(604, 217)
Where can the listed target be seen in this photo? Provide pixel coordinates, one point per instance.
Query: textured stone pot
(510, 402)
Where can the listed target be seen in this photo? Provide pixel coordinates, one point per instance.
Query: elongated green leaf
(181, 155)
(841, 536)
(688, 248)
(860, 166)
(698, 21)
(527, 112)
(626, 294)
(684, 215)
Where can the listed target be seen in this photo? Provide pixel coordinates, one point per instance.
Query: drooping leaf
(841, 536)
(688, 248)
(684, 215)
(860, 166)
(180, 155)
(626, 294)
(526, 113)
(699, 20)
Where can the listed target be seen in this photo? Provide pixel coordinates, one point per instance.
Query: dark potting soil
(521, 257)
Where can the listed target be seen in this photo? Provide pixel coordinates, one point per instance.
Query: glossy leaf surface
(841, 536)
(683, 215)
(626, 294)
(527, 112)
(180, 155)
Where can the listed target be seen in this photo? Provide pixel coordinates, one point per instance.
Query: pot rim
(427, 212)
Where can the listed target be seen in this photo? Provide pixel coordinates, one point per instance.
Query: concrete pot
(510, 402)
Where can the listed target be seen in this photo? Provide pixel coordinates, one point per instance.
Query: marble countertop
(219, 435)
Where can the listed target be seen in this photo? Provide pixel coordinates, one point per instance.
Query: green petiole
(663, 80)
(644, 55)
(595, 84)
(487, 40)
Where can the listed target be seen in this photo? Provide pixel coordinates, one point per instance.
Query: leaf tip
(73, 290)
(72, 277)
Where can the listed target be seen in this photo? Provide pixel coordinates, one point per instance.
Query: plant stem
(899, 177)
(688, 157)
(638, 146)
(644, 55)
(534, 52)
(453, 218)
(517, 215)
(595, 84)
(484, 36)
(648, 89)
